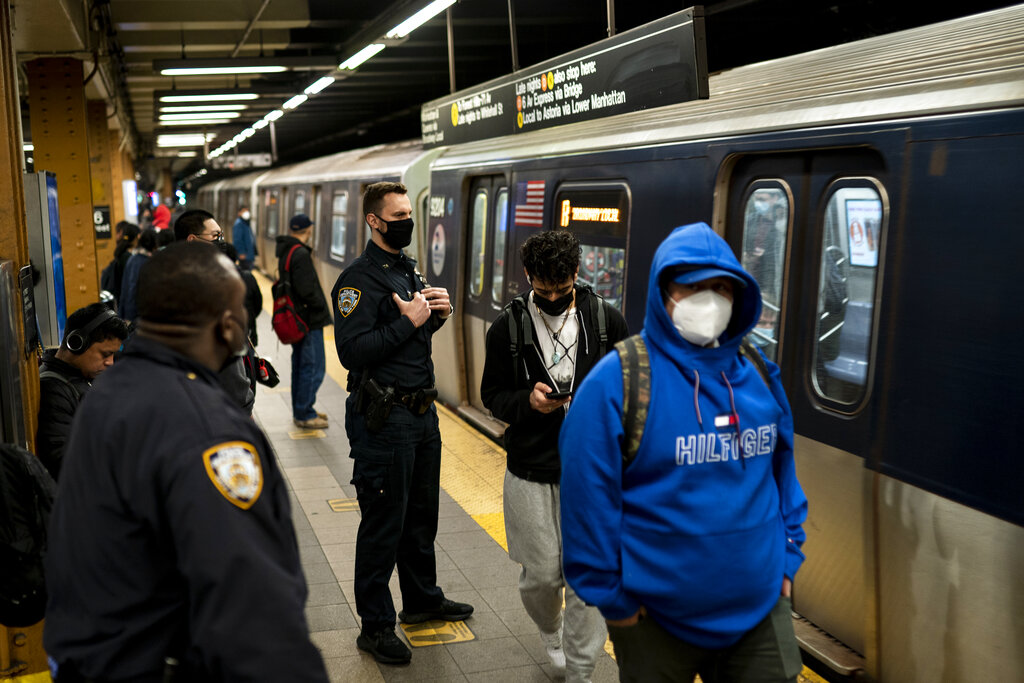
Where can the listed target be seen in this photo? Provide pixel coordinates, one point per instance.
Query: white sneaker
(553, 645)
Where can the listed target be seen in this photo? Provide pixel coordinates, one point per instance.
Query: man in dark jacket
(559, 331)
(295, 263)
(92, 336)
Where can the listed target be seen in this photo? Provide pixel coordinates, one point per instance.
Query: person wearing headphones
(92, 336)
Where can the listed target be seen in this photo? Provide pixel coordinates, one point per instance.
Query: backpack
(636, 388)
(288, 325)
(521, 333)
(26, 499)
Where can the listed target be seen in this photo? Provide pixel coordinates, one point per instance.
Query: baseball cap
(299, 221)
(688, 277)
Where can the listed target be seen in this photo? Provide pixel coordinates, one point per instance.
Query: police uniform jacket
(172, 535)
(370, 332)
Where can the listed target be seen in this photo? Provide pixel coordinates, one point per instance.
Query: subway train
(874, 190)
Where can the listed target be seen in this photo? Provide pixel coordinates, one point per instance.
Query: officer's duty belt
(416, 400)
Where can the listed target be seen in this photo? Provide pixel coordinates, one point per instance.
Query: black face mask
(399, 234)
(556, 307)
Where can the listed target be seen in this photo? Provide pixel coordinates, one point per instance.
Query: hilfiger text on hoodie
(701, 449)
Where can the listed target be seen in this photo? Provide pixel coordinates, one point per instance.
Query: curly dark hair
(551, 256)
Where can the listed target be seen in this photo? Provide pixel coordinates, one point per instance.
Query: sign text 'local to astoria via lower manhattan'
(663, 62)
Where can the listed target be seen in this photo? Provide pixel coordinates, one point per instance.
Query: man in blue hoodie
(690, 549)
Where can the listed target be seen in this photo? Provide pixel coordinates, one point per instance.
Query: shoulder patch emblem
(348, 299)
(234, 468)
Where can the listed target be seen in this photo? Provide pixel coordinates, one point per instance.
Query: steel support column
(58, 119)
(104, 191)
(21, 649)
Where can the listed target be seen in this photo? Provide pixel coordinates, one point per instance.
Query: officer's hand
(417, 310)
(540, 402)
(438, 299)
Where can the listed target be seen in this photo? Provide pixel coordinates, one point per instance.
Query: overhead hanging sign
(238, 162)
(663, 62)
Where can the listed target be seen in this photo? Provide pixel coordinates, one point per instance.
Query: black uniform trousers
(396, 474)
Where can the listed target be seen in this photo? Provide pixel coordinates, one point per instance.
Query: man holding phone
(538, 350)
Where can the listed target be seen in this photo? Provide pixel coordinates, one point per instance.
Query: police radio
(77, 341)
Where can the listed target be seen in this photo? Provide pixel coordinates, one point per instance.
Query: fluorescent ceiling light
(294, 102)
(183, 140)
(211, 98)
(319, 85)
(199, 115)
(420, 18)
(247, 133)
(262, 123)
(185, 155)
(220, 70)
(274, 115)
(28, 147)
(195, 122)
(361, 56)
(206, 107)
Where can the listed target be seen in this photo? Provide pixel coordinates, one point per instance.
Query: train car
(224, 198)
(872, 189)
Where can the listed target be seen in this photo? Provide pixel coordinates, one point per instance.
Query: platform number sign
(101, 222)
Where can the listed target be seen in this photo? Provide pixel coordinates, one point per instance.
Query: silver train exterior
(873, 189)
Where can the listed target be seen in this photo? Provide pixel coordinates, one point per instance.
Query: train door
(809, 227)
(485, 272)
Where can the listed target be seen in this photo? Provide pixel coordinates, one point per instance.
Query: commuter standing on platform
(130, 282)
(241, 237)
(385, 317)
(172, 552)
(309, 364)
(559, 330)
(92, 337)
(684, 526)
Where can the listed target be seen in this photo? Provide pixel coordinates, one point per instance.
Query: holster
(375, 402)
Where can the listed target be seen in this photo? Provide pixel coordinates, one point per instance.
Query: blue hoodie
(702, 526)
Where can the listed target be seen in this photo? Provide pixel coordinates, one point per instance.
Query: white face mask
(702, 317)
(245, 215)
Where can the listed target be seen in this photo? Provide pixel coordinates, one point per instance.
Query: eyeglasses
(211, 236)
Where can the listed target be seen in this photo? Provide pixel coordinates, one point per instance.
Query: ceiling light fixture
(223, 70)
(210, 98)
(206, 107)
(294, 102)
(200, 115)
(183, 139)
(195, 122)
(274, 115)
(420, 18)
(262, 123)
(28, 147)
(361, 56)
(319, 85)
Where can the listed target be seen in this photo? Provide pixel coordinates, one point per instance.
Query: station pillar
(105, 193)
(21, 651)
(59, 124)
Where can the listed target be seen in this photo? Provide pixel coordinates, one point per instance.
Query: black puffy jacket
(61, 389)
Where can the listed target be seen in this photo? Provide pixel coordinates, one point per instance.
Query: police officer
(386, 315)
(172, 553)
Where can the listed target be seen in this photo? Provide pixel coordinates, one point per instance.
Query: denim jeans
(308, 367)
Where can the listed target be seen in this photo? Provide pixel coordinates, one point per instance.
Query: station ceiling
(380, 100)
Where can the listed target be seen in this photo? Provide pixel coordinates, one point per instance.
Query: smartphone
(558, 395)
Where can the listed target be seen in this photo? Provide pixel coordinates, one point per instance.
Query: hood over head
(690, 254)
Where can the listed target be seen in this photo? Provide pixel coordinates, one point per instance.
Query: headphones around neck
(77, 341)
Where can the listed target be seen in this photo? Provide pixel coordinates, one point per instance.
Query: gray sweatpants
(533, 526)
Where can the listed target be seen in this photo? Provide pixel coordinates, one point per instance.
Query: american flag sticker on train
(530, 203)
(724, 421)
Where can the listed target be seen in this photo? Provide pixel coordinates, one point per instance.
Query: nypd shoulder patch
(234, 468)
(348, 299)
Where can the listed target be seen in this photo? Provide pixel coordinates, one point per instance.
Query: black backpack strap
(50, 374)
(597, 311)
(750, 351)
(520, 333)
(636, 394)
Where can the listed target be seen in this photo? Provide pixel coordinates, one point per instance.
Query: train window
(300, 202)
(603, 269)
(478, 244)
(765, 233)
(500, 234)
(273, 213)
(339, 222)
(852, 229)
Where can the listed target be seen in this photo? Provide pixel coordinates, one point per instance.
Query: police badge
(348, 299)
(234, 468)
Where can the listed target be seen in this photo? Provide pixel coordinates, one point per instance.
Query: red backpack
(287, 324)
